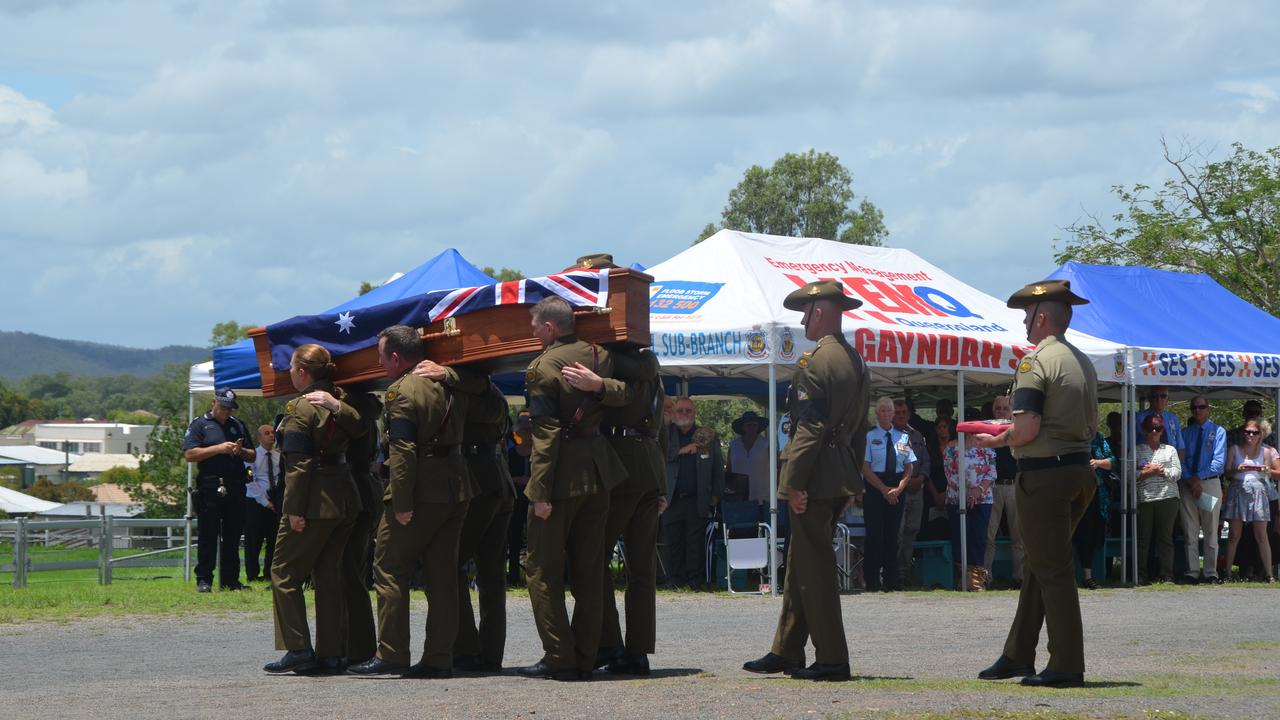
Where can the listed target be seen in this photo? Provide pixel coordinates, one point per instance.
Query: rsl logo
(787, 351)
(1118, 365)
(757, 346)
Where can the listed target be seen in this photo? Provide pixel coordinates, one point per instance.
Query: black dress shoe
(423, 671)
(604, 656)
(823, 671)
(203, 587)
(325, 666)
(542, 669)
(377, 666)
(293, 661)
(1005, 668)
(629, 665)
(770, 664)
(1049, 678)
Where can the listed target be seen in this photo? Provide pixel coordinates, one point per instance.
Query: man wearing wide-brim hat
(1055, 416)
(749, 457)
(828, 401)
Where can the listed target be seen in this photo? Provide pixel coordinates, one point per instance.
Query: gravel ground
(1212, 651)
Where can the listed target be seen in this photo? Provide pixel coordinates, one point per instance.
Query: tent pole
(186, 552)
(1131, 466)
(963, 488)
(773, 476)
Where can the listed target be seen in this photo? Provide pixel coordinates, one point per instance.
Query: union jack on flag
(580, 288)
(353, 330)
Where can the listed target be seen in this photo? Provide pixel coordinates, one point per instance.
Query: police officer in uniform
(828, 402)
(484, 532)
(632, 422)
(1055, 415)
(572, 470)
(220, 445)
(320, 507)
(425, 503)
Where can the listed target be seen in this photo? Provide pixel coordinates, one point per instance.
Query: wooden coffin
(500, 337)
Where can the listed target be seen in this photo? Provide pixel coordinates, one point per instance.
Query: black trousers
(260, 526)
(218, 534)
(685, 532)
(883, 521)
(515, 538)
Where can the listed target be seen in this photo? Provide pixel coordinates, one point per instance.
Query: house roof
(36, 455)
(100, 462)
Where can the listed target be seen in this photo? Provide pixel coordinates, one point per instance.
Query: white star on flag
(345, 323)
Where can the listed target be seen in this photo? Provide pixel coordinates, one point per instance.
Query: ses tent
(718, 323)
(1179, 330)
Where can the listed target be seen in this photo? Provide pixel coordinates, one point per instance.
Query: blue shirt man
(1206, 456)
(1159, 399)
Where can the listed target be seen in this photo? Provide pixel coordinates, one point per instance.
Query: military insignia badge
(529, 376)
(289, 408)
(1024, 366)
(813, 290)
(803, 362)
(391, 395)
(586, 263)
(1038, 290)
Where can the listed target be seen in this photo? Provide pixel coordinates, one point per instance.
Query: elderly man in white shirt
(262, 498)
(749, 455)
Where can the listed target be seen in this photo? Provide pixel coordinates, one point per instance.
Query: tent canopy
(716, 312)
(236, 366)
(1184, 329)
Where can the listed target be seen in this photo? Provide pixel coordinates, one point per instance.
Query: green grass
(61, 596)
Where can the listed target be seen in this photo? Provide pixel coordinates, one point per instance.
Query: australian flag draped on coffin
(352, 330)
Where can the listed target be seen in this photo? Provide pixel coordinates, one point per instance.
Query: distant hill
(23, 354)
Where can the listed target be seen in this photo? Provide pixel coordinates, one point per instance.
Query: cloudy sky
(168, 165)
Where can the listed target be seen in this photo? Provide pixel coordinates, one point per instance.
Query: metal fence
(106, 534)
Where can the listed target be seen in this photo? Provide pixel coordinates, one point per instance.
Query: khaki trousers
(633, 518)
(811, 595)
(316, 552)
(575, 533)
(1050, 505)
(484, 539)
(430, 538)
(1004, 502)
(1196, 521)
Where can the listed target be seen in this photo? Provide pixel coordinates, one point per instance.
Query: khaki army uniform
(318, 487)
(1053, 489)
(633, 424)
(828, 402)
(484, 532)
(428, 476)
(573, 468)
(362, 640)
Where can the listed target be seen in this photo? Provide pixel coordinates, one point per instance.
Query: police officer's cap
(226, 397)
(597, 261)
(1045, 291)
(831, 290)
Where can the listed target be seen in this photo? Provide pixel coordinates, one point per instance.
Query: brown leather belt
(1044, 463)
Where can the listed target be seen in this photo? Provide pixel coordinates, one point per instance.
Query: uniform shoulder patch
(803, 362)
(289, 407)
(391, 395)
(1025, 365)
(530, 375)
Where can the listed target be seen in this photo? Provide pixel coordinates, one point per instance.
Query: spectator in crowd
(749, 456)
(1253, 467)
(695, 484)
(1159, 470)
(913, 498)
(1206, 444)
(519, 446)
(1091, 533)
(1115, 439)
(979, 477)
(1003, 503)
(937, 525)
(887, 467)
(1159, 407)
(262, 496)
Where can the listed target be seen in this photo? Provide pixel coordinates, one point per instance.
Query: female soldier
(320, 506)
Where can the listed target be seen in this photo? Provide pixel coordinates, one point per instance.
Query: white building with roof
(38, 462)
(93, 437)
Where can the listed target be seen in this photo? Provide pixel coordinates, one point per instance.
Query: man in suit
(695, 484)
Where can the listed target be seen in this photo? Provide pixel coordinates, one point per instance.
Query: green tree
(160, 483)
(228, 333)
(16, 407)
(120, 475)
(1219, 217)
(367, 287)
(65, 492)
(135, 417)
(801, 195)
(504, 274)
